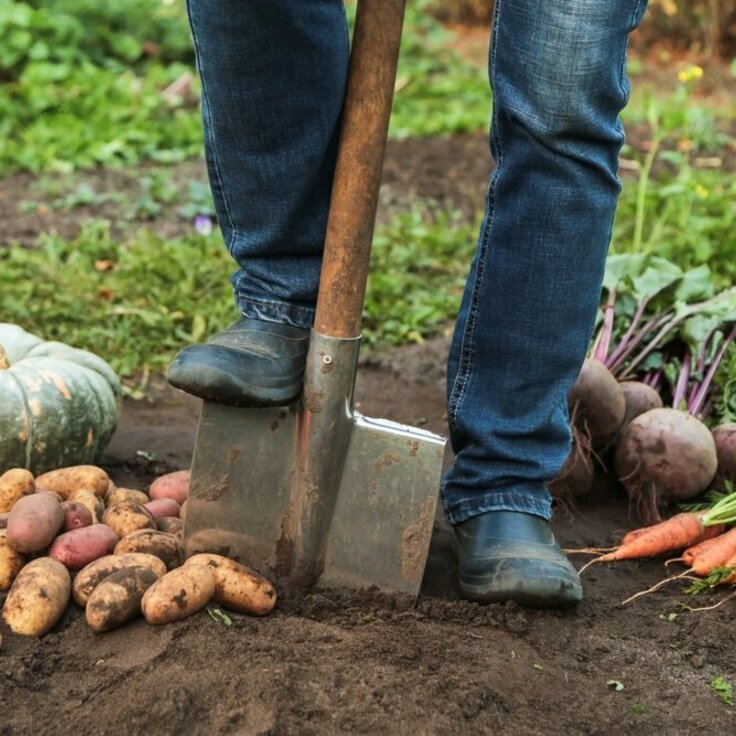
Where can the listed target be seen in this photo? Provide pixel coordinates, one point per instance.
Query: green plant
(722, 688)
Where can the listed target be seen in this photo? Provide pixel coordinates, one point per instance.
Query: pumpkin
(58, 405)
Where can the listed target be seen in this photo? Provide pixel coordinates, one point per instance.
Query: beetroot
(725, 439)
(597, 404)
(664, 455)
(576, 477)
(639, 398)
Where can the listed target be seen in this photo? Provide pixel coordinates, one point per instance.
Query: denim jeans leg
(558, 74)
(273, 80)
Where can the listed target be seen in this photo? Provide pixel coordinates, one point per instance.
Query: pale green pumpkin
(58, 405)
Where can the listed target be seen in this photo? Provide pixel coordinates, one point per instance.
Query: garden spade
(315, 494)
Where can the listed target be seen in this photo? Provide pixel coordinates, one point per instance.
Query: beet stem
(699, 398)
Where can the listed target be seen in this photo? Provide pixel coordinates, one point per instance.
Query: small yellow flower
(700, 191)
(690, 73)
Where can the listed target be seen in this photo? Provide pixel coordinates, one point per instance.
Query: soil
(332, 663)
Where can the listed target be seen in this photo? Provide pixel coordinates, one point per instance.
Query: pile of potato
(123, 547)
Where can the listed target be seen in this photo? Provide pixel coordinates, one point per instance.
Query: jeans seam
(307, 311)
(466, 350)
(209, 132)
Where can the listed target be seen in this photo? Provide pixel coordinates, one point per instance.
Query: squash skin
(59, 406)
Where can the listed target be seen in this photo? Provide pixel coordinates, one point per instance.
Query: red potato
(172, 485)
(75, 516)
(78, 548)
(34, 522)
(163, 507)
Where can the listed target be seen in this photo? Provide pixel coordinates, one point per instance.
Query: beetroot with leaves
(725, 440)
(639, 398)
(597, 404)
(664, 455)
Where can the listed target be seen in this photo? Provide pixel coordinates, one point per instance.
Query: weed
(722, 688)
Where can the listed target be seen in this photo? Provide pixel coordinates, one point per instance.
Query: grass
(136, 302)
(82, 84)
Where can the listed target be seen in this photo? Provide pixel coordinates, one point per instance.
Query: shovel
(315, 494)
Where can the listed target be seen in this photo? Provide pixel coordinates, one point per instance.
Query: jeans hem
(282, 312)
(517, 500)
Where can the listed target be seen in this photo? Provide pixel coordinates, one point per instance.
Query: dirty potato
(38, 597)
(117, 599)
(14, 484)
(93, 574)
(237, 587)
(166, 547)
(67, 481)
(126, 517)
(91, 502)
(11, 562)
(126, 494)
(170, 524)
(178, 594)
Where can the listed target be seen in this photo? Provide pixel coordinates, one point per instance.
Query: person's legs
(559, 81)
(273, 81)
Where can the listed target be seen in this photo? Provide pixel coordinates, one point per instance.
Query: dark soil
(329, 663)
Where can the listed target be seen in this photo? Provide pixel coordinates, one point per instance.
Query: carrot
(678, 532)
(715, 555)
(692, 552)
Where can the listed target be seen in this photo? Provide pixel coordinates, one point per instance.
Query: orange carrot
(692, 552)
(715, 555)
(682, 530)
(709, 531)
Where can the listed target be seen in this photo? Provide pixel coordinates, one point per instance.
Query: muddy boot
(513, 556)
(252, 363)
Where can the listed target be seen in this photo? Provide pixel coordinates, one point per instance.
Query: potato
(126, 517)
(38, 598)
(78, 548)
(237, 587)
(93, 574)
(117, 599)
(4, 519)
(34, 521)
(75, 515)
(172, 485)
(183, 511)
(126, 494)
(14, 484)
(164, 546)
(178, 594)
(67, 481)
(170, 524)
(11, 562)
(163, 507)
(91, 502)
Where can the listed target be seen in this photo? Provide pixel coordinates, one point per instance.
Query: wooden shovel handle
(370, 88)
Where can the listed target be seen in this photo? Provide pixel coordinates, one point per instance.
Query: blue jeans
(273, 76)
